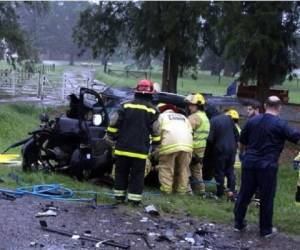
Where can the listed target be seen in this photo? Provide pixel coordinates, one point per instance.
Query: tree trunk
(263, 81)
(105, 67)
(104, 62)
(170, 72)
(71, 59)
(181, 71)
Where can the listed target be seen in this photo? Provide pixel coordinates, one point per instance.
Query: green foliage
(12, 35)
(261, 33)
(51, 29)
(101, 28)
(149, 28)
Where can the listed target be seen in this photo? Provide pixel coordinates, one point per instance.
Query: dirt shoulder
(20, 229)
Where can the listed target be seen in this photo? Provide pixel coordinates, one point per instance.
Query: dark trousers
(129, 175)
(265, 181)
(224, 167)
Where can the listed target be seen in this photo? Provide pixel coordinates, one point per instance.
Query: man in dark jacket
(133, 128)
(222, 146)
(262, 139)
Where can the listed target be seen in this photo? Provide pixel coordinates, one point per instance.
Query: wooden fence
(128, 73)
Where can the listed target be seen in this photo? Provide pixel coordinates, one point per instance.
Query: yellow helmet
(233, 114)
(196, 99)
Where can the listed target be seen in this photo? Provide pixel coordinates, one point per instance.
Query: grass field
(16, 120)
(204, 83)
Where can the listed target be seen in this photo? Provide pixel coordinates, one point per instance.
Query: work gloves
(109, 141)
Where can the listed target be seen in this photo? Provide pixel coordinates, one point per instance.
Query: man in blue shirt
(262, 141)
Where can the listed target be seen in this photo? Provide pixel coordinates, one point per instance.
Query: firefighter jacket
(176, 133)
(134, 127)
(201, 126)
(238, 128)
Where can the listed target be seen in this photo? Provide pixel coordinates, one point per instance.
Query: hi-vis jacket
(133, 128)
(176, 133)
(201, 127)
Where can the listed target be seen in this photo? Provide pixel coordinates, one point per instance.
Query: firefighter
(175, 151)
(235, 117)
(222, 146)
(134, 126)
(201, 126)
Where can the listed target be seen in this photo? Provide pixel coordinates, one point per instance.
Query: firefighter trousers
(196, 168)
(174, 172)
(129, 175)
(224, 167)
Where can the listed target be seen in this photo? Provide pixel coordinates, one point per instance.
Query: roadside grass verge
(16, 120)
(286, 212)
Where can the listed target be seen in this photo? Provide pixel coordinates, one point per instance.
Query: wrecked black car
(72, 143)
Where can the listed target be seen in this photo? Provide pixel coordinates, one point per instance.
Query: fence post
(64, 86)
(42, 87)
(39, 85)
(13, 79)
(87, 82)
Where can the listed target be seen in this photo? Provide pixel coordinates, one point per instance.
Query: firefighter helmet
(162, 107)
(145, 87)
(233, 114)
(196, 99)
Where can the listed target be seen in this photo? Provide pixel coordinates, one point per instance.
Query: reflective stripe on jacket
(201, 130)
(134, 128)
(176, 133)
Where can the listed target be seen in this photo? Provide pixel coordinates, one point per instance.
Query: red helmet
(145, 87)
(163, 107)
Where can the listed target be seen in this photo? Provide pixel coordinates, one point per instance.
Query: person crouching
(175, 151)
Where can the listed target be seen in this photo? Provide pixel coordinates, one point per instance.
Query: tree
(149, 28)
(261, 33)
(12, 36)
(52, 31)
(100, 28)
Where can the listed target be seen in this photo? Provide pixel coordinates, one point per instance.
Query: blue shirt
(264, 137)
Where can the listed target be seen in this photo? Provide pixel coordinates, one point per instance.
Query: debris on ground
(47, 213)
(151, 209)
(190, 238)
(144, 219)
(107, 242)
(122, 225)
(7, 196)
